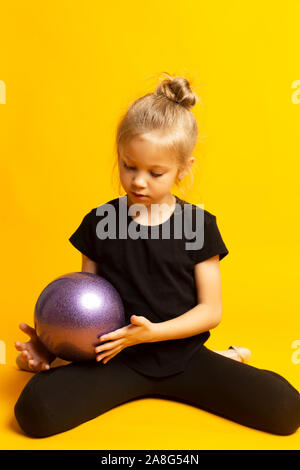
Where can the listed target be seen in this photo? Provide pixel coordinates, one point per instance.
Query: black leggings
(62, 398)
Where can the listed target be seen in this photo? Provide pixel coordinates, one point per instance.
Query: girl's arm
(205, 315)
(88, 265)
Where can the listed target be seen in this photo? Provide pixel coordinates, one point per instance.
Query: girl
(171, 295)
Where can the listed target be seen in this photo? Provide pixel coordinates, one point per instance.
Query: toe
(243, 353)
(31, 363)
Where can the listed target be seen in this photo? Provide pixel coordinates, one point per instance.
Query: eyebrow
(153, 166)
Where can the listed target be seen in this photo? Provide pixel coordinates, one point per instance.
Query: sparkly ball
(73, 311)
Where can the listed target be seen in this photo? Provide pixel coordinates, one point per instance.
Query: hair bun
(177, 89)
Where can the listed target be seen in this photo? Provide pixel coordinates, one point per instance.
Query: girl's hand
(34, 356)
(140, 330)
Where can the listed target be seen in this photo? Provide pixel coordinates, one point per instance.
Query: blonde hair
(166, 117)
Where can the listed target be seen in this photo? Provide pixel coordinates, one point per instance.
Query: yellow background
(70, 69)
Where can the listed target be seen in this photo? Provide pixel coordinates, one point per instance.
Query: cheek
(169, 180)
(123, 176)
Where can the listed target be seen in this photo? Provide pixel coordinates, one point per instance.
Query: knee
(286, 418)
(32, 414)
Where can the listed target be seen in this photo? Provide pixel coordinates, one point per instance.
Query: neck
(155, 215)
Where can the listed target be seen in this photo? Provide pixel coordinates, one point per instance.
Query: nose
(139, 182)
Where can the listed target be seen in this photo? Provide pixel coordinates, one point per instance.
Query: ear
(189, 165)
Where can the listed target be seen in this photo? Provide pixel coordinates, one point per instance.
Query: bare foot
(231, 353)
(34, 356)
(237, 353)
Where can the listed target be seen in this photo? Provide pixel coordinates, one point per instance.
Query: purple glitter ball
(73, 311)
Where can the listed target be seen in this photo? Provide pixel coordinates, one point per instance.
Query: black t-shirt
(154, 274)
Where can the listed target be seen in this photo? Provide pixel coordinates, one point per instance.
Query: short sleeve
(84, 236)
(213, 243)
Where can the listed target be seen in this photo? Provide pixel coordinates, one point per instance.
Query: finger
(25, 354)
(107, 359)
(45, 366)
(98, 359)
(35, 365)
(27, 329)
(22, 346)
(31, 363)
(106, 346)
(113, 334)
(101, 356)
(39, 366)
(109, 355)
(19, 346)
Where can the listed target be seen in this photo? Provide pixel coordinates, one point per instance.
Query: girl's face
(147, 170)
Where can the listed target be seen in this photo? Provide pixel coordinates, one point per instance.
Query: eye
(155, 175)
(128, 167)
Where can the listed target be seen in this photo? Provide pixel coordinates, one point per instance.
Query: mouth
(139, 195)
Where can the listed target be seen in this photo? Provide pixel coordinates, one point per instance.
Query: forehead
(144, 152)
